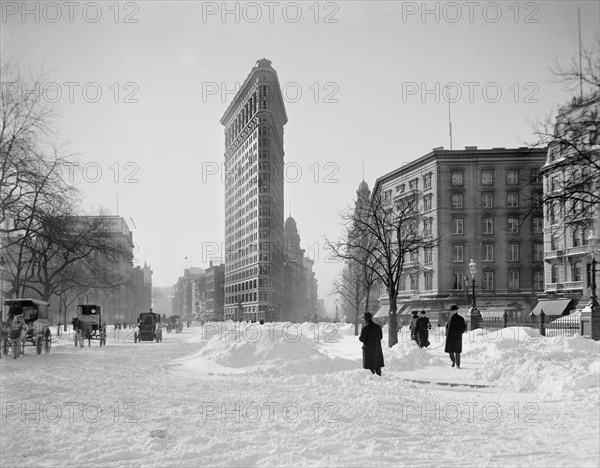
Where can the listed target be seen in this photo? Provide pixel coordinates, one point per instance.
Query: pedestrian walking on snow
(455, 328)
(371, 336)
(423, 326)
(413, 325)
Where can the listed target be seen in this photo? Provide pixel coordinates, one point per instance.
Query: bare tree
(351, 286)
(380, 234)
(573, 141)
(70, 252)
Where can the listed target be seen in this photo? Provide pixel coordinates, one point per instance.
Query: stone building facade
(254, 261)
(476, 204)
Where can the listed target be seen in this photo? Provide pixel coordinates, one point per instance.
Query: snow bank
(275, 348)
(520, 360)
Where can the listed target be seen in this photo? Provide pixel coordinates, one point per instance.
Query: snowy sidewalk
(441, 372)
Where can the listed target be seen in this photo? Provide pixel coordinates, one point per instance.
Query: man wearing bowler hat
(455, 328)
(371, 336)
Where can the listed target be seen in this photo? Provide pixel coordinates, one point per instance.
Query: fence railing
(566, 326)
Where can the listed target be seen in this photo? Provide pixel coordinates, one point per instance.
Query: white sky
(363, 61)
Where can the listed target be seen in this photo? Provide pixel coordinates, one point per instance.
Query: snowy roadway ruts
(296, 395)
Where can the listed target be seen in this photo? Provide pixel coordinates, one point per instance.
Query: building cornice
(457, 157)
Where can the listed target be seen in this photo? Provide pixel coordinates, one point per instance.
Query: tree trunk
(393, 325)
(357, 308)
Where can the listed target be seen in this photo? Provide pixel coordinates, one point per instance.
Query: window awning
(382, 312)
(555, 307)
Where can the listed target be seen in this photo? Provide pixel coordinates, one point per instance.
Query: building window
(538, 280)
(513, 252)
(428, 281)
(427, 225)
(538, 225)
(534, 176)
(487, 178)
(513, 225)
(488, 281)
(457, 226)
(458, 280)
(427, 181)
(487, 225)
(577, 272)
(513, 280)
(413, 184)
(586, 235)
(427, 203)
(555, 274)
(536, 199)
(553, 242)
(487, 253)
(387, 197)
(512, 200)
(487, 200)
(554, 213)
(400, 188)
(414, 282)
(457, 178)
(457, 253)
(538, 252)
(428, 254)
(457, 201)
(576, 238)
(512, 177)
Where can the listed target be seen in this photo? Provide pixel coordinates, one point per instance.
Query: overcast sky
(363, 83)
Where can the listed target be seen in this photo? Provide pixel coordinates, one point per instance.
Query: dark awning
(555, 307)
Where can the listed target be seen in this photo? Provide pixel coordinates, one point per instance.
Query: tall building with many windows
(254, 197)
(476, 204)
(570, 182)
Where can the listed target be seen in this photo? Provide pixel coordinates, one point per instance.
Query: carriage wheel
(47, 342)
(38, 345)
(135, 337)
(75, 339)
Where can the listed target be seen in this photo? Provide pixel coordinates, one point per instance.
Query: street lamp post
(590, 315)
(473, 270)
(473, 316)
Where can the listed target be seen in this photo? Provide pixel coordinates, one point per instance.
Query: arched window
(576, 238)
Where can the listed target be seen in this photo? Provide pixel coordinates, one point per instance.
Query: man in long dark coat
(455, 328)
(371, 336)
(422, 336)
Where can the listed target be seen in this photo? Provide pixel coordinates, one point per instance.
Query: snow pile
(280, 348)
(554, 366)
(407, 356)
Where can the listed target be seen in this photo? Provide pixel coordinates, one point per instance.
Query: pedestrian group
(372, 334)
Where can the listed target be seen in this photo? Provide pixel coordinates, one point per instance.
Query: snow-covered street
(291, 395)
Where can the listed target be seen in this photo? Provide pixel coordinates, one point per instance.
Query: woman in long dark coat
(455, 328)
(371, 336)
(413, 325)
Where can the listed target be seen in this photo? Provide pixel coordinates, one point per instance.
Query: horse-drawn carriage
(149, 328)
(88, 325)
(26, 324)
(174, 322)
